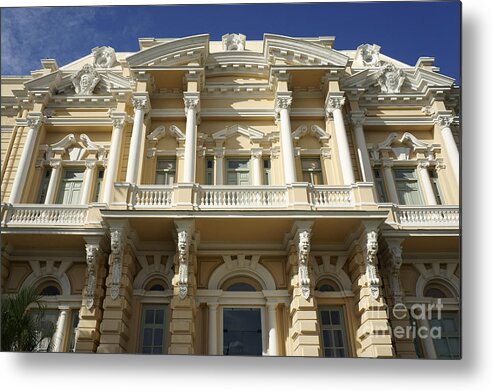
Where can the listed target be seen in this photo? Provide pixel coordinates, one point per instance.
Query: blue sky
(404, 30)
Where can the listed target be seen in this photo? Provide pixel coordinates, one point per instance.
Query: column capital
(90, 164)
(141, 103)
(219, 153)
(444, 120)
(55, 163)
(191, 101)
(34, 122)
(283, 101)
(256, 153)
(423, 164)
(334, 101)
(119, 121)
(358, 117)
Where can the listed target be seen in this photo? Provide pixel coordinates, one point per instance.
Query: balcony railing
(425, 216)
(325, 196)
(152, 196)
(50, 215)
(209, 197)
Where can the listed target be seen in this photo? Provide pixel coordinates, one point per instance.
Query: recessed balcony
(426, 216)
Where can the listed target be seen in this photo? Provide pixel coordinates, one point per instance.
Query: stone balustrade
(425, 216)
(331, 196)
(153, 196)
(34, 214)
(241, 197)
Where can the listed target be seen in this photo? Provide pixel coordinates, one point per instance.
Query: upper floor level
(282, 123)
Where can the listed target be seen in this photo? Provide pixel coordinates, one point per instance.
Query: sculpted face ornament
(371, 261)
(370, 55)
(183, 245)
(303, 256)
(85, 80)
(91, 260)
(104, 57)
(116, 246)
(390, 79)
(234, 42)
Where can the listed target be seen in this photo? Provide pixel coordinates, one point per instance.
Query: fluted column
(88, 182)
(212, 328)
(114, 158)
(272, 310)
(141, 105)
(444, 122)
(363, 157)
(191, 100)
(283, 103)
(426, 182)
(60, 330)
(334, 104)
(56, 171)
(33, 124)
(257, 166)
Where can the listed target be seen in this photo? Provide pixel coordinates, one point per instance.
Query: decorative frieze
(303, 248)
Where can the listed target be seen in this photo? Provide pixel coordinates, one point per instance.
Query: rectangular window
(71, 187)
(448, 346)
(45, 181)
(333, 332)
(435, 186)
(267, 179)
(165, 172)
(153, 329)
(380, 185)
(312, 171)
(406, 184)
(97, 188)
(73, 330)
(209, 171)
(238, 172)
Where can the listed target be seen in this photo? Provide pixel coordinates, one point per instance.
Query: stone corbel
(394, 267)
(303, 248)
(93, 255)
(184, 233)
(117, 244)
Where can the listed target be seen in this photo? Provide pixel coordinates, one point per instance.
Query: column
(426, 182)
(283, 103)
(272, 310)
(140, 107)
(389, 182)
(113, 159)
(60, 330)
(218, 166)
(444, 122)
(33, 124)
(363, 157)
(212, 328)
(334, 104)
(191, 100)
(257, 166)
(88, 182)
(56, 171)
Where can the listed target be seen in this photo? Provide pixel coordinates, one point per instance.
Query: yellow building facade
(275, 197)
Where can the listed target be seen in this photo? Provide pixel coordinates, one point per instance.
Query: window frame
(165, 328)
(343, 328)
(311, 171)
(60, 192)
(415, 180)
(247, 170)
(164, 171)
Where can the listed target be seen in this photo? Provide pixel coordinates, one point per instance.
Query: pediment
(282, 50)
(314, 131)
(177, 52)
(402, 147)
(109, 81)
(235, 130)
(161, 131)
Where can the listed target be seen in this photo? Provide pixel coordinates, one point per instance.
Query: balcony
(426, 216)
(187, 196)
(22, 215)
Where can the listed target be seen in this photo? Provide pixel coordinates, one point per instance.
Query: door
(71, 187)
(242, 332)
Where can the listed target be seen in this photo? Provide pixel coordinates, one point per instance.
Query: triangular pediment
(281, 50)
(109, 81)
(177, 52)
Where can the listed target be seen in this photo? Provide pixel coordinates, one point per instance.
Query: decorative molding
(251, 133)
(85, 80)
(116, 252)
(92, 147)
(161, 132)
(93, 253)
(390, 79)
(367, 55)
(104, 57)
(234, 42)
(303, 248)
(314, 130)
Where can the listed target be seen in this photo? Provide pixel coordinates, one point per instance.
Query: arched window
(49, 289)
(156, 285)
(437, 290)
(327, 285)
(241, 284)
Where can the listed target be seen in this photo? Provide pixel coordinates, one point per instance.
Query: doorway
(242, 332)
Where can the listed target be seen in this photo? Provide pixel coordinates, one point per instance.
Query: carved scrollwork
(303, 247)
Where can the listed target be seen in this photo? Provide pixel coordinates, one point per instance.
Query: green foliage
(22, 321)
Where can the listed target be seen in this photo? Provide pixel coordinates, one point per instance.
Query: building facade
(274, 197)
